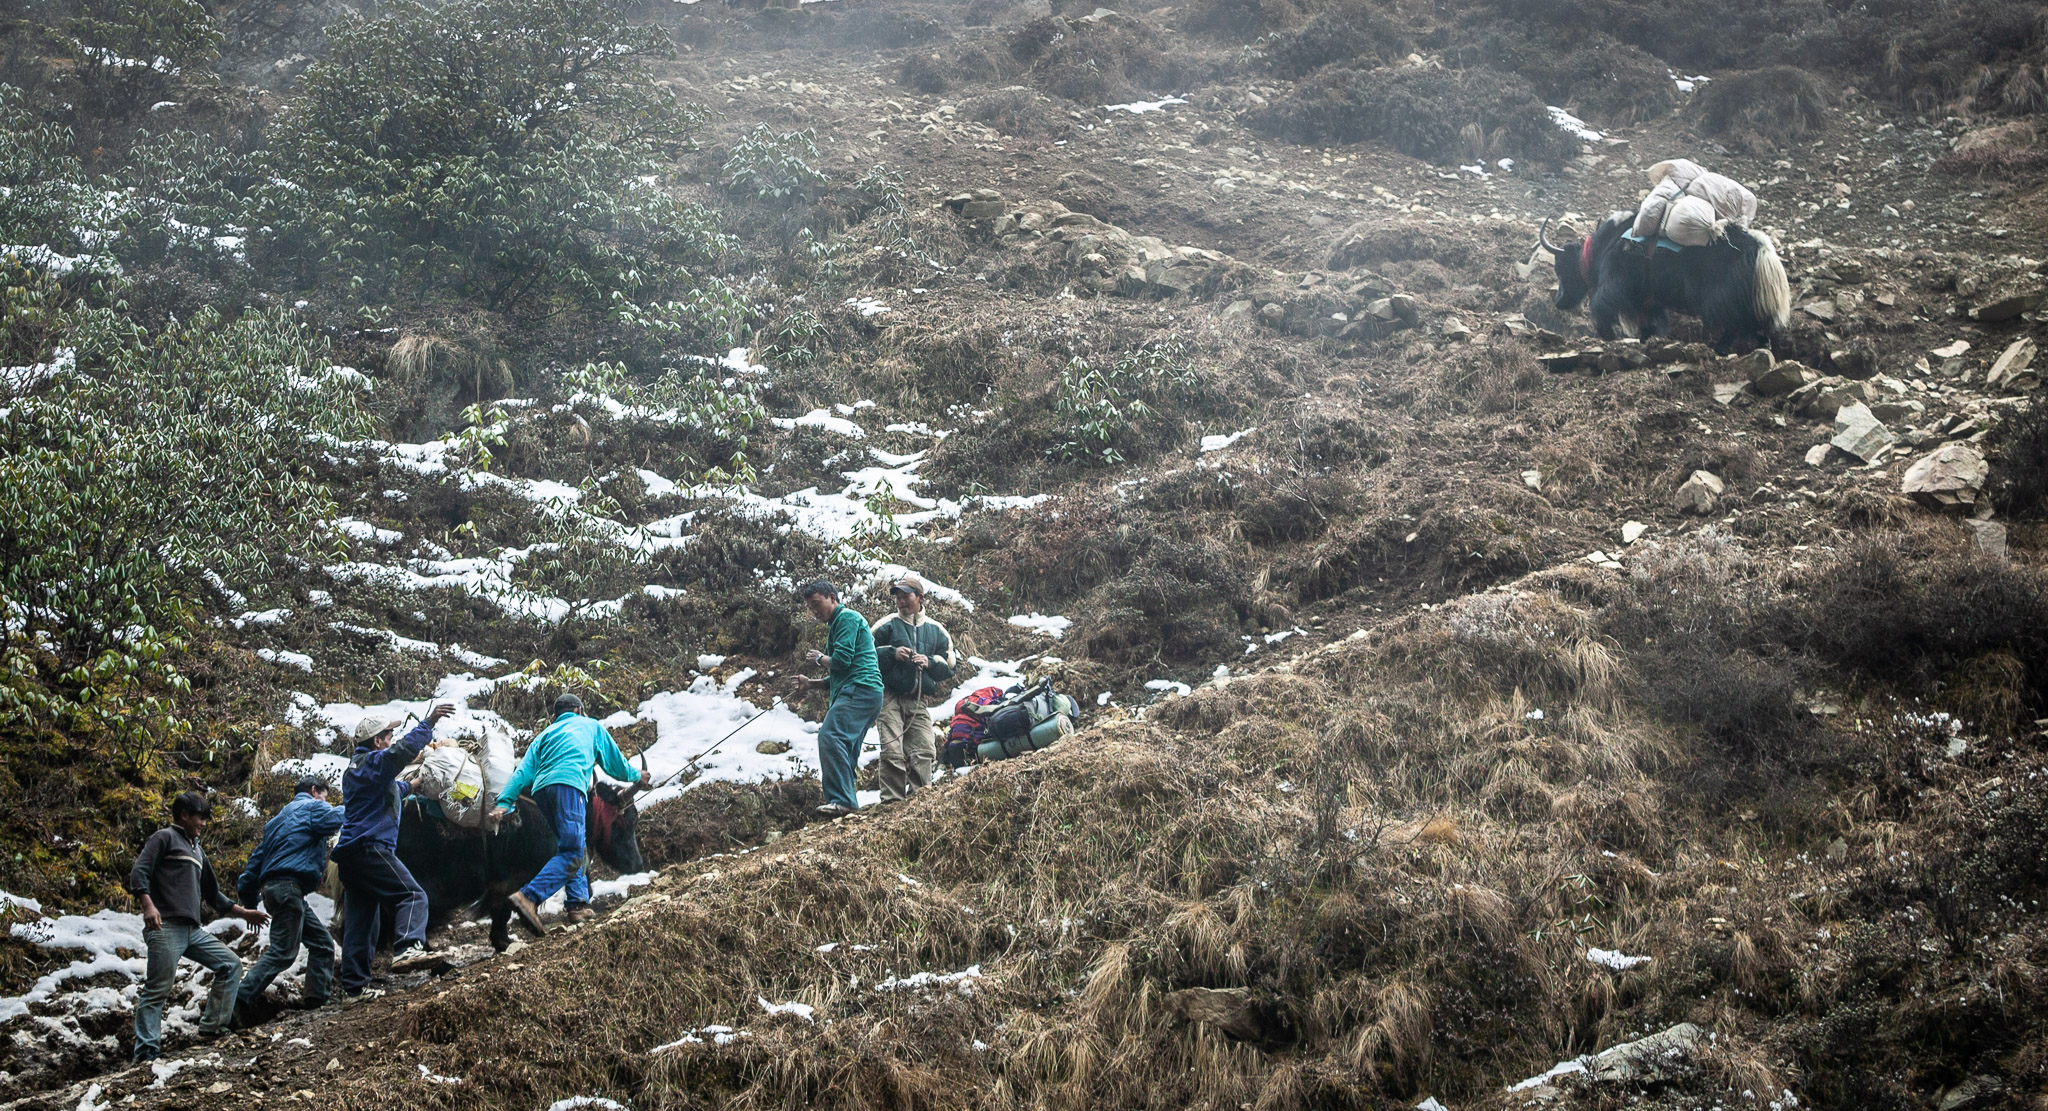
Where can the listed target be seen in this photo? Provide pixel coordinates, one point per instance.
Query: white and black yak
(1735, 285)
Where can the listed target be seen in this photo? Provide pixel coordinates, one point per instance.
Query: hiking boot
(528, 914)
(834, 810)
(577, 915)
(363, 996)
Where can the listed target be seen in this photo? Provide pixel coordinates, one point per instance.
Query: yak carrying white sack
(466, 784)
(1690, 205)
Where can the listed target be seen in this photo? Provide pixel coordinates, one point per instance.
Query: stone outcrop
(1950, 477)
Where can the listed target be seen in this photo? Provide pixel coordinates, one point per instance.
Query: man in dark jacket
(175, 880)
(916, 655)
(289, 862)
(373, 882)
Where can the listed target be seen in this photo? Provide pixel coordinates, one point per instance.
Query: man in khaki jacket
(915, 654)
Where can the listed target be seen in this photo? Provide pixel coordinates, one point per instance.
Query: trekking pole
(714, 748)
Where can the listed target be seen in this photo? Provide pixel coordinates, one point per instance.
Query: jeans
(292, 922)
(910, 751)
(376, 887)
(167, 944)
(845, 726)
(565, 808)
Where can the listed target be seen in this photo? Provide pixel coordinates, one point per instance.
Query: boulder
(1755, 364)
(1950, 477)
(2007, 306)
(2013, 369)
(772, 748)
(1822, 398)
(1700, 493)
(1860, 433)
(1988, 537)
(1782, 379)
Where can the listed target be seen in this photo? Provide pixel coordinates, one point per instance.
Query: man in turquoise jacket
(854, 685)
(557, 769)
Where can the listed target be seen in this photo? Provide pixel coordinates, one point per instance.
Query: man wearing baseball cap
(853, 686)
(915, 654)
(376, 885)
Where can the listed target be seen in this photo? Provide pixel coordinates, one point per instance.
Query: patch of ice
(1054, 627)
(288, 659)
(605, 889)
(264, 617)
(821, 418)
(1218, 443)
(1565, 121)
(1140, 107)
(574, 1102)
(922, 980)
(1562, 1068)
(657, 486)
(801, 1010)
(432, 1077)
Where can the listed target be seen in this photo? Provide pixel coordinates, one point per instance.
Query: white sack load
(1690, 205)
(465, 783)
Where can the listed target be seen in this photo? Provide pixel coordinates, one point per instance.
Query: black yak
(1736, 285)
(459, 867)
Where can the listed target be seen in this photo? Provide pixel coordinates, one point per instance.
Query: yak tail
(1773, 293)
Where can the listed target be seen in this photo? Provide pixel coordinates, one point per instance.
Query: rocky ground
(1484, 715)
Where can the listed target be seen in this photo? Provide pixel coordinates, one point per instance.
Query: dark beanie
(567, 703)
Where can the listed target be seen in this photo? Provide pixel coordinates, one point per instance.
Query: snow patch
(1054, 627)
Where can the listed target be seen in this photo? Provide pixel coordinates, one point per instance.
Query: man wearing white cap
(915, 655)
(376, 885)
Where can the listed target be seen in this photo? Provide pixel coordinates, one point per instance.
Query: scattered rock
(1273, 313)
(1755, 364)
(1818, 454)
(1896, 410)
(1819, 310)
(2007, 307)
(1948, 478)
(1533, 479)
(1237, 308)
(1785, 377)
(1454, 329)
(2014, 369)
(1633, 531)
(1862, 434)
(1950, 351)
(1700, 493)
(1988, 536)
(772, 748)
(1822, 398)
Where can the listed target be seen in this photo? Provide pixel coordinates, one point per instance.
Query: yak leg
(1608, 311)
(501, 933)
(1657, 323)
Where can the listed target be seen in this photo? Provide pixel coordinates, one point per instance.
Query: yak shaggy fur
(1735, 285)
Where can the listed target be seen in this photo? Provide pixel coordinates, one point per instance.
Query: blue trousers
(292, 923)
(174, 940)
(565, 807)
(378, 889)
(846, 725)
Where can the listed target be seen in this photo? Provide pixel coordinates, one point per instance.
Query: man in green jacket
(854, 686)
(915, 655)
(557, 768)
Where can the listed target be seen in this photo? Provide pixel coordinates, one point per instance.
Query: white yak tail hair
(1772, 292)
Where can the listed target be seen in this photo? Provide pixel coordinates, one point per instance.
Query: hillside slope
(1443, 732)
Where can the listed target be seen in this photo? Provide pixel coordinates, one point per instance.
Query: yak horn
(1543, 238)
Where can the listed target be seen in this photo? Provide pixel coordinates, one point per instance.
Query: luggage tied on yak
(1689, 206)
(462, 782)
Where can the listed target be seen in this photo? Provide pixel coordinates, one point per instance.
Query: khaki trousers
(910, 746)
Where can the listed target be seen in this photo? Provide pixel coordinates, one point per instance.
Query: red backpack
(965, 734)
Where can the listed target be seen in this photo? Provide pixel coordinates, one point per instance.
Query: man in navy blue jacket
(374, 883)
(289, 863)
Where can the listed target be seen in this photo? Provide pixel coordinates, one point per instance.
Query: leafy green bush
(504, 152)
(146, 473)
(770, 165)
(1110, 413)
(128, 50)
